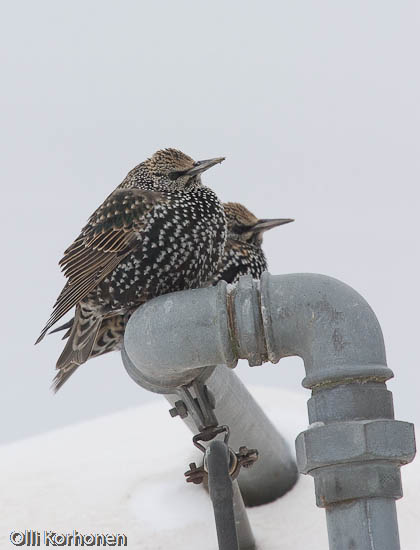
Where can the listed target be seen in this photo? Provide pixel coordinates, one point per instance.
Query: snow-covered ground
(123, 473)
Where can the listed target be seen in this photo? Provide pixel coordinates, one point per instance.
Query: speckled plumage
(243, 255)
(160, 231)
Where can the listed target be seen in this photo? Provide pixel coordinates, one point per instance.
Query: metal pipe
(337, 335)
(171, 338)
(275, 471)
(221, 494)
(354, 448)
(379, 534)
(246, 538)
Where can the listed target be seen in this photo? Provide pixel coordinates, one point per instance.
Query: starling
(243, 255)
(160, 231)
(109, 336)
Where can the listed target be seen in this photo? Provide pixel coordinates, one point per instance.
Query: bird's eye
(239, 229)
(175, 175)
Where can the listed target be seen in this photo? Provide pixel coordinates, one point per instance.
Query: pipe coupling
(355, 459)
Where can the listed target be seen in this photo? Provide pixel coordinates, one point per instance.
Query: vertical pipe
(221, 494)
(246, 538)
(368, 524)
(353, 448)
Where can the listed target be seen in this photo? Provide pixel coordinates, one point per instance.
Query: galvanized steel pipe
(275, 471)
(353, 448)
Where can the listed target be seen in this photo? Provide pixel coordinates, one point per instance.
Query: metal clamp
(244, 458)
(200, 405)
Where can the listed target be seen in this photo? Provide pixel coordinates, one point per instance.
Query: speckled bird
(243, 255)
(160, 231)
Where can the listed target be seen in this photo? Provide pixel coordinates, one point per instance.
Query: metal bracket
(243, 458)
(199, 406)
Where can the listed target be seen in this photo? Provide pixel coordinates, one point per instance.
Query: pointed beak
(265, 225)
(202, 165)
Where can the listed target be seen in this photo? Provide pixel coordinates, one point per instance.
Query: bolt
(195, 475)
(179, 410)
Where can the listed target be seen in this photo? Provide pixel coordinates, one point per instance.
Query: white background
(315, 104)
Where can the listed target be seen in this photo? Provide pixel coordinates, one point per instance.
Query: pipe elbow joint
(326, 323)
(170, 339)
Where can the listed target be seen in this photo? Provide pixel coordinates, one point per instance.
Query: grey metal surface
(246, 538)
(355, 462)
(221, 494)
(355, 441)
(367, 524)
(320, 319)
(326, 323)
(169, 340)
(275, 471)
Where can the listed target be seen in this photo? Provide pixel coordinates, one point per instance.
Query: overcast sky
(315, 104)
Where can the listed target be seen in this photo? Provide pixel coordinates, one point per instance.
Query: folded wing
(111, 233)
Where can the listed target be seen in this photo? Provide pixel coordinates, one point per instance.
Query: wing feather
(111, 233)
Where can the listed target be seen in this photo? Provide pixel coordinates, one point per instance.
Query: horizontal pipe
(318, 318)
(172, 337)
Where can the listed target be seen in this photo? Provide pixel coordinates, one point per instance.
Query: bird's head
(172, 169)
(243, 226)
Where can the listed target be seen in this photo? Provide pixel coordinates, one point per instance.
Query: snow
(123, 473)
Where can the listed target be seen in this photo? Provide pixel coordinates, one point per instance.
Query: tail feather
(62, 376)
(110, 335)
(69, 324)
(79, 345)
(67, 334)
